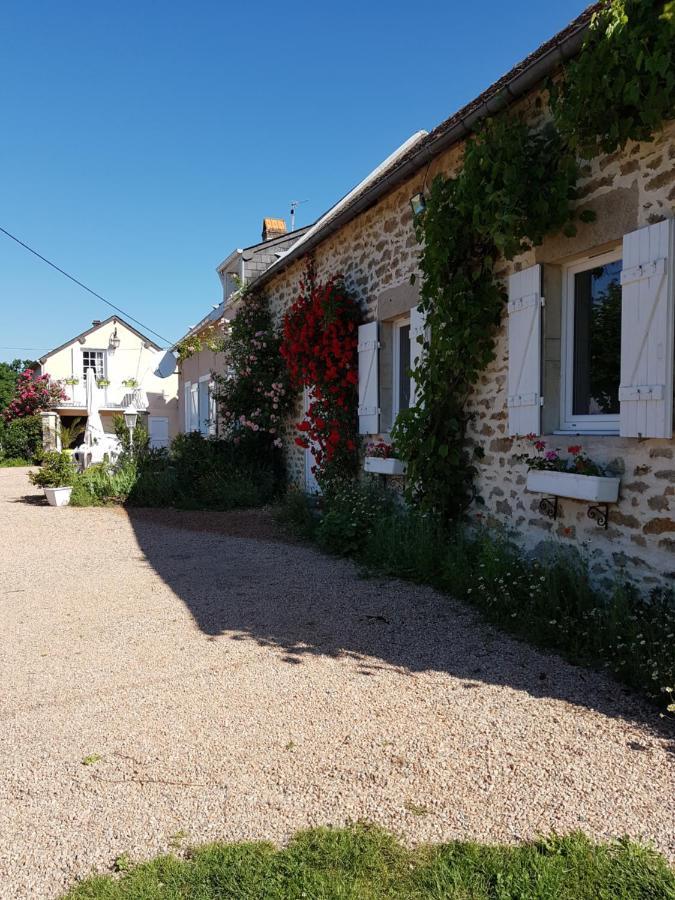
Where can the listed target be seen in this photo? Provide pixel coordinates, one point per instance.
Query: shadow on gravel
(238, 574)
(32, 500)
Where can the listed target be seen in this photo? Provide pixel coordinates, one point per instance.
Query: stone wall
(627, 190)
(378, 250)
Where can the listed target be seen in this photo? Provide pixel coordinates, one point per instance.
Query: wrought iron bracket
(599, 514)
(549, 506)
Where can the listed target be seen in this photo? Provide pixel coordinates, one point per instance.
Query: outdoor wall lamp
(418, 204)
(114, 341)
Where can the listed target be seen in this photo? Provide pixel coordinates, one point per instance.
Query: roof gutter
(515, 87)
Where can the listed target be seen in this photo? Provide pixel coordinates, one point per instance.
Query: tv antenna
(294, 205)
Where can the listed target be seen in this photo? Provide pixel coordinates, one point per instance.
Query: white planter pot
(379, 466)
(59, 496)
(594, 488)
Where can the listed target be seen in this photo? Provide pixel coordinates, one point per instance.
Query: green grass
(14, 463)
(366, 863)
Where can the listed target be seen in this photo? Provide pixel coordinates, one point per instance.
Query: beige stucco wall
(133, 359)
(377, 251)
(191, 370)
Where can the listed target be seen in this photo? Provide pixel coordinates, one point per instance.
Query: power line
(26, 349)
(84, 286)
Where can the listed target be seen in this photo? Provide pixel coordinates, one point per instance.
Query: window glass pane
(92, 359)
(404, 367)
(597, 340)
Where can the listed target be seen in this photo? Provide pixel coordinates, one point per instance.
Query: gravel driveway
(237, 686)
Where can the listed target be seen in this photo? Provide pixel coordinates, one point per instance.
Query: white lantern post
(130, 419)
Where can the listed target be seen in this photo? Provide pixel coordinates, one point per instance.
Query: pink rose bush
(34, 393)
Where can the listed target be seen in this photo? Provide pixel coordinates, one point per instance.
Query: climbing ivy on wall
(517, 185)
(622, 86)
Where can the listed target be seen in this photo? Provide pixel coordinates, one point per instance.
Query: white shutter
(647, 286)
(158, 429)
(194, 407)
(213, 410)
(186, 404)
(418, 329)
(203, 408)
(524, 392)
(369, 418)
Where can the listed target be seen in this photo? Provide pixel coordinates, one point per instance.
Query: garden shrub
(58, 470)
(299, 512)
(352, 512)
(254, 396)
(196, 473)
(103, 483)
(21, 438)
(33, 393)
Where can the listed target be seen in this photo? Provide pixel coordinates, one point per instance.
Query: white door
(311, 484)
(158, 429)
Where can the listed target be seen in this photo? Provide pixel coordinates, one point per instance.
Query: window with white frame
(401, 367)
(591, 344)
(189, 397)
(93, 359)
(608, 359)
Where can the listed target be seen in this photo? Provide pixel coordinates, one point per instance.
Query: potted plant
(56, 477)
(72, 381)
(130, 383)
(103, 382)
(381, 460)
(575, 476)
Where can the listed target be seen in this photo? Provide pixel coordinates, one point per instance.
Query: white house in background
(125, 362)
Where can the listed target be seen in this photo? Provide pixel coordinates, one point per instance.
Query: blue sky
(142, 142)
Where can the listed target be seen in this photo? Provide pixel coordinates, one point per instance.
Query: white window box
(594, 488)
(378, 466)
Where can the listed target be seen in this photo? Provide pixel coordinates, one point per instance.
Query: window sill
(589, 432)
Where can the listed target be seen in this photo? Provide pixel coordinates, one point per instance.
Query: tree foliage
(622, 85)
(253, 395)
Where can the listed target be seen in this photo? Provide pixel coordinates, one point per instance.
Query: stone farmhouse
(541, 381)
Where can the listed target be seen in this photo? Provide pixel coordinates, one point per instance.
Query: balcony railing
(114, 396)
